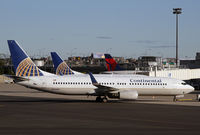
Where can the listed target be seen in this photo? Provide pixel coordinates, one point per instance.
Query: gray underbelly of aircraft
(159, 92)
(69, 91)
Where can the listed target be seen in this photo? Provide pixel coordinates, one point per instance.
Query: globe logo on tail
(63, 69)
(28, 68)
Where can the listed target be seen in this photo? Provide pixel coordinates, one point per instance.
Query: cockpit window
(183, 83)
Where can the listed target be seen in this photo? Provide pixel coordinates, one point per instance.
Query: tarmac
(26, 111)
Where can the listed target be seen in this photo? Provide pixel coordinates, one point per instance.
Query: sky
(127, 28)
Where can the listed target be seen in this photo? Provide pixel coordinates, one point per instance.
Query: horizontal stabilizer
(17, 78)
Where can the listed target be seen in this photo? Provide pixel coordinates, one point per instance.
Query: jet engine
(125, 94)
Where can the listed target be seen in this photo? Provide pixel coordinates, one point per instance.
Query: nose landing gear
(177, 96)
(175, 99)
(198, 97)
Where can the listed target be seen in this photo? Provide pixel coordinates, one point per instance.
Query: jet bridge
(182, 74)
(191, 76)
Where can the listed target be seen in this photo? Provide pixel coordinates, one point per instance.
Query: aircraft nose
(190, 88)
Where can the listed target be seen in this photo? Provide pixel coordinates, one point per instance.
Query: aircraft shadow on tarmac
(63, 100)
(53, 100)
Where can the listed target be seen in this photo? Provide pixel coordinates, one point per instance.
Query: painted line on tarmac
(185, 99)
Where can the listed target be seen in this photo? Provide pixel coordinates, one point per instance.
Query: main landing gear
(99, 99)
(175, 99)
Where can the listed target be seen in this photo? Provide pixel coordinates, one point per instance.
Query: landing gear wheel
(104, 100)
(98, 99)
(175, 99)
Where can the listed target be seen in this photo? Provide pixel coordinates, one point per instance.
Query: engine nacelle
(128, 94)
(125, 94)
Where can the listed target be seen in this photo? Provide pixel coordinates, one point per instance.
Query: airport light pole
(177, 11)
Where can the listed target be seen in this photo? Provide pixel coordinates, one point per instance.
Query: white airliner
(102, 86)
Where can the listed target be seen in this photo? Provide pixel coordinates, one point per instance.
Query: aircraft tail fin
(111, 63)
(60, 66)
(23, 65)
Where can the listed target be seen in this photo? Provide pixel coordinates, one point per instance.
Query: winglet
(94, 81)
(101, 88)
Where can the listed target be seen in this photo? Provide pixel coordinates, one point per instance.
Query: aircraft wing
(101, 88)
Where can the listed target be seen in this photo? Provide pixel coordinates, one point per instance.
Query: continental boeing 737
(127, 87)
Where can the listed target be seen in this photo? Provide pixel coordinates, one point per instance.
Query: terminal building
(191, 76)
(192, 64)
(188, 71)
